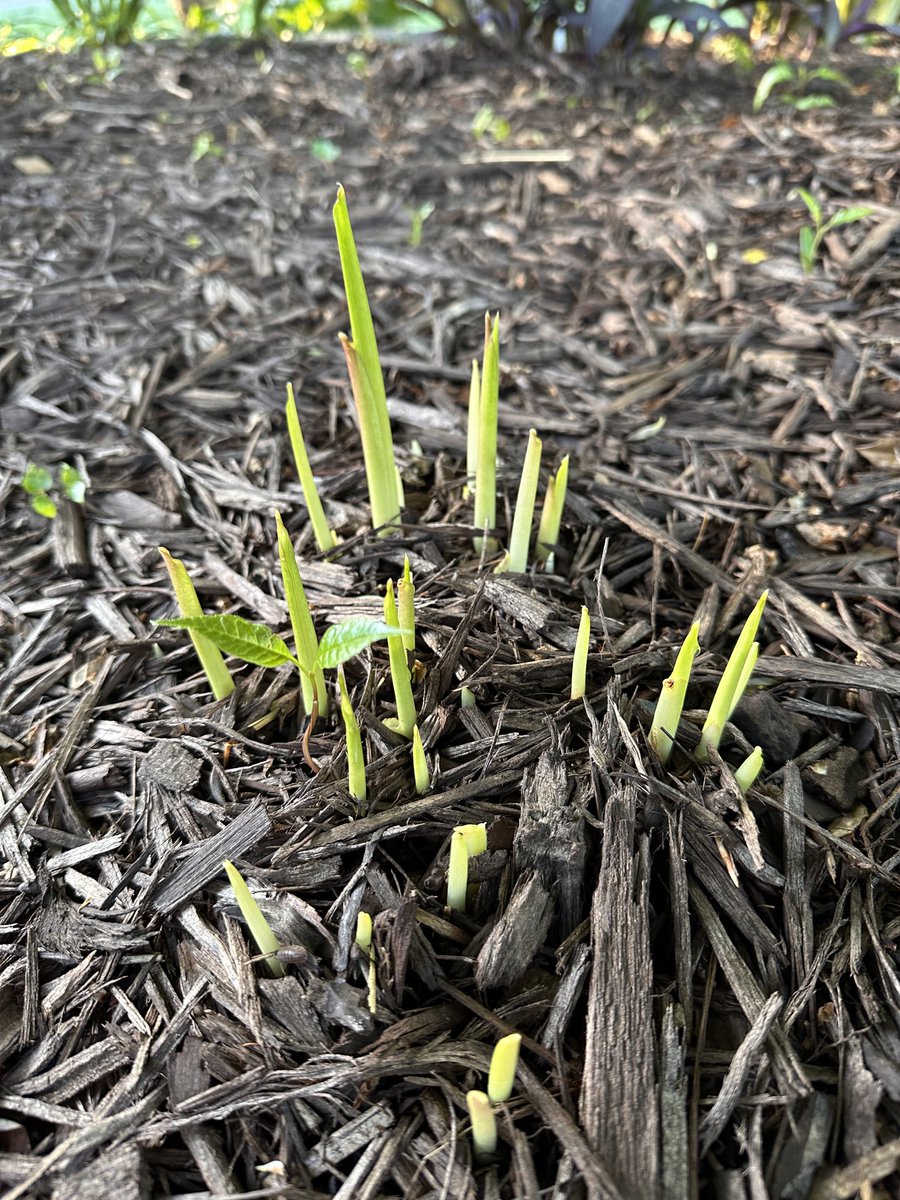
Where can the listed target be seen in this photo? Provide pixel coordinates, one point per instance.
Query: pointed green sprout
(260, 929)
(364, 941)
(579, 658)
(502, 1073)
(211, 659)
(400, 677)
(367, 380)
(484, 1126)
(671, 698)
(467, 698)
(420, 763)
(746, 774)
(312, 680)
(324, 537)
(406, 610)
(472, 430)
(356, 763)
(520, 537)
(465, 842)
(486, 468)
(732, 684)
(551, 515)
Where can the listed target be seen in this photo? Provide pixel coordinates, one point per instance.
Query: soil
(706, 983)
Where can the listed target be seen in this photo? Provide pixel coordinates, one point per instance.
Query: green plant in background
(733, 683)
(811, 236)
(259, 927)
(487, 122)
(100, 22)
(671, 699)
(211, 659)
(418, 215)
(367, 381)
(37, 482)
(205, 145)
(799, 77)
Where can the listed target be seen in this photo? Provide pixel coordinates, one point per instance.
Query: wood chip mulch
(707, 985)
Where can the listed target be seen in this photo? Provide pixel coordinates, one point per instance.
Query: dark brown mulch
(707, 986)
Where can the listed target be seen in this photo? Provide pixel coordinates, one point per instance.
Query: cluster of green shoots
(37, 482)
(382, 476)
(501, 1077)
(728, 695)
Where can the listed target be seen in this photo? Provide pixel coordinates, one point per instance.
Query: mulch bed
(707, 987)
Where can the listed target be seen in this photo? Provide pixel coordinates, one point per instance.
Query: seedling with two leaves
(37, 482)
(812, 236)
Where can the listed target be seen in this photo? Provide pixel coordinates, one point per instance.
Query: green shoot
(400, 677)
(324, 537)
(366, 379)
(671, 698)
(312, 680)
(551, 515)
(502, 1073)
(356, 763)
(579, 658)
(812, 236)
(472, 430)
(420, 763)
(484, 1127)
(465, 842)
(732, 684)
(259, 927)
(520, 537)
(466, 698)
(746, 774)
(406, 595)
(486, 468)
(189, 606)
(799, 77)
(37, 482)
(364, 941)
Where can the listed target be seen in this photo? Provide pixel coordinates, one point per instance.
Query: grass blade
(551, 515)
(312, 680)
(260, 929)
(385, 488)
(486, 469)
(406, 607)
(400, 677)
(472, 430)
(457, 872)
(520, 537)
(579, 658)
(210, 656)
(667, 716)
(732, 684)
(324, 537)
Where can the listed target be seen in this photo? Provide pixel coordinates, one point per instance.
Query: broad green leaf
(341, 642)
(780, 73)
(847, 216)
(43, 506)
(815, 100)
(247, 640)
(72, 483)
(812, 204)
(37, 480)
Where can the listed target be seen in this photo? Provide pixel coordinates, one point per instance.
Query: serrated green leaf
(847, 216)
(247, 640)
(342, 641)
(37, 480)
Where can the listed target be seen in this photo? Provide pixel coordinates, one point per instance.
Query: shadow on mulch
(706, 986)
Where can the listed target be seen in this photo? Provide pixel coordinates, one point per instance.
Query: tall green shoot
(400, 676)
(551, 515)
(579, 658)
(520, 536)
(211, 659)
(259, 927)
(366, 379)
(472, 430)
(312, 679)
(732, 684)
(486, 468)
(667, 716)
(356, 763)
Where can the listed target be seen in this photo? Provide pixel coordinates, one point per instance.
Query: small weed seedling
(259, 927)
(799, 78)
(37, 482)
(812, 236)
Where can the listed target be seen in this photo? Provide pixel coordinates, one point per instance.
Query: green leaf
(72, 483)
(780, 73)
(815, 100)
(829, 74)
(259, 927)
(37, 480)
(43, 506)
(342, 641)
(847, 216)
(815, 208)
(324, 149)
(247, 640)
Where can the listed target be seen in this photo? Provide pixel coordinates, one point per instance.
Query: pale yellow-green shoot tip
(484, 1127)
(502, 1073)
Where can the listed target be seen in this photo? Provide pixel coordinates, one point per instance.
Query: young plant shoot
(324, 537)
(364, 941)
(579, 658)
(486, 468)
(356, 763)
(367, 380)
(551, 515)
(400, 677)
(260, 929)
(502, 1073)
(406, 606)
(420, 763)
(210, 657)
(484, 1126)
(472, 430)
(671, 698)
(306, 644)
(733, 683)
(465, 842)
(517, 557)
(747, 773)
